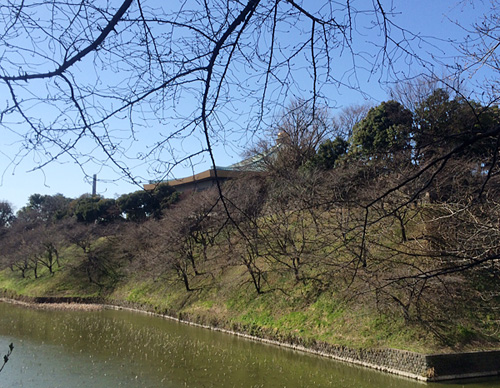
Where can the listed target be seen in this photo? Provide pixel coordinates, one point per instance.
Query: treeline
(394, 206)
(32, 239)
(136, 206)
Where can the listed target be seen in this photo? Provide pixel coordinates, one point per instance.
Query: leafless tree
(246, 198)
(20, 249)
(480, 53)
(214, 72)
(99, 260)
(348, 117)
(181, 244)
(412, 93)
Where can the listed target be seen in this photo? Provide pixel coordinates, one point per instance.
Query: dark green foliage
(6, 214)
(45, 208)
(438, 118)
(137, 206)
(443, 123)
(95, 209)
(329, 152)
(140, 205)
(385, 129)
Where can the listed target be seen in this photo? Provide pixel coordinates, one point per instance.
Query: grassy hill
(293, 276)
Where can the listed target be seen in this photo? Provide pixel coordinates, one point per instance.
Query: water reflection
(118, 348)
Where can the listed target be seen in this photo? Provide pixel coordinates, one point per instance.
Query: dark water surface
(111, 348)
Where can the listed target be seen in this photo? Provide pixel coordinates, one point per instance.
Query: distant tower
(94, 185)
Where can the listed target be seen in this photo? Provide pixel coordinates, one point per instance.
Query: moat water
(112, 348)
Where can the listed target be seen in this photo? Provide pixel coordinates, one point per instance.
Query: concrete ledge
(463, 365)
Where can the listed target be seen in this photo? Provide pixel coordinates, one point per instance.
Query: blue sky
(439, 21)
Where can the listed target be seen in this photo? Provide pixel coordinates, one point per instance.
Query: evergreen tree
(384, 131)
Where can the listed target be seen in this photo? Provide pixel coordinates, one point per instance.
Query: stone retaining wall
(400, 362)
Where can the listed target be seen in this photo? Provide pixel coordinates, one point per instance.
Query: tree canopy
(6, 214)
(385, 129)
(329, 152)
(443, 123)
(45, 208)
(140, 205)
(94, 209)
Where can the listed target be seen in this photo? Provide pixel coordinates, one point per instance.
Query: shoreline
(64, 306)
(416, 366)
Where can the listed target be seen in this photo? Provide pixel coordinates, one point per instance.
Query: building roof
(255, 163)
(222, 173)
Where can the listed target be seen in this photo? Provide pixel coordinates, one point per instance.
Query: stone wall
(400, 362)
(434, 367)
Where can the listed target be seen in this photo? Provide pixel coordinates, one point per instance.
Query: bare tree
(480, 53)
(102, 73)
(20, 248)
(348, 117)
(50, 240)
(243, 236)
(99, 262)
(182, 242)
